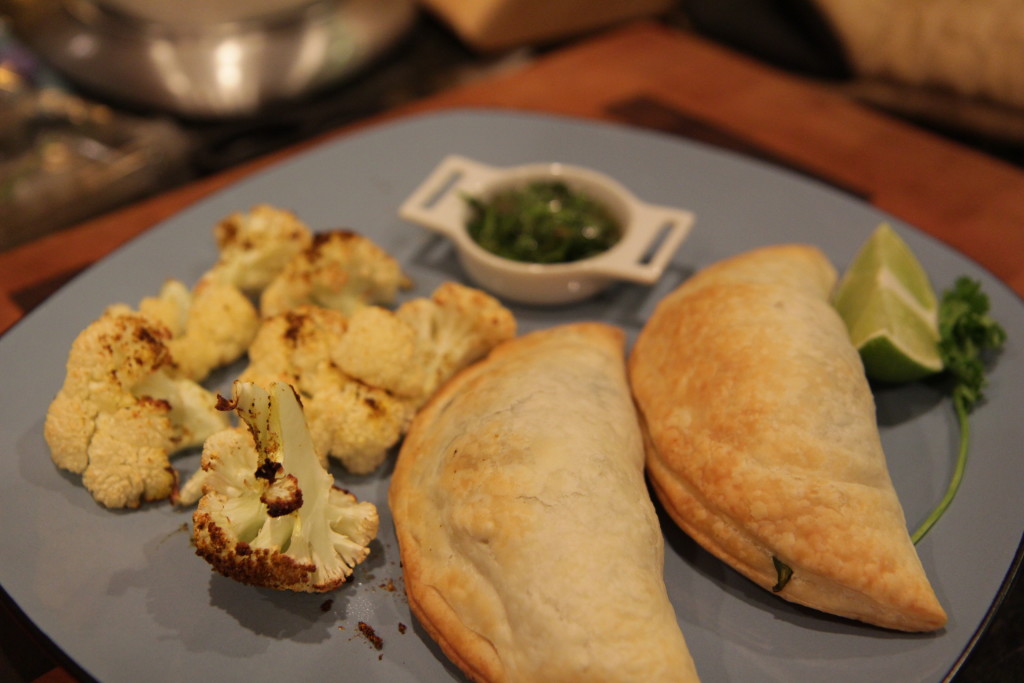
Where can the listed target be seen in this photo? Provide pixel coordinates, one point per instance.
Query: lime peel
(890, 309)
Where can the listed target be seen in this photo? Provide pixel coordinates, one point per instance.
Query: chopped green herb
(966, 334)
(784, 573)
(544, 222)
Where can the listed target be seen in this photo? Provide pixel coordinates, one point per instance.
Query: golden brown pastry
(762, 440)
(530, 547)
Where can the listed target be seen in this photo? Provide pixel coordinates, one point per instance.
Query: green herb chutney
(544, 222)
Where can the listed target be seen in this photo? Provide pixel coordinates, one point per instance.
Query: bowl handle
(438, 203)
(652, 240)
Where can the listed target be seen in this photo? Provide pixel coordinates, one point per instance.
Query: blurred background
(104, 102)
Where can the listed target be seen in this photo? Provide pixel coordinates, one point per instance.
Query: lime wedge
(890, 309)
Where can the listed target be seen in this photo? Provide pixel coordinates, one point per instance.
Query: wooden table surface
(653, 76)
(649, 75)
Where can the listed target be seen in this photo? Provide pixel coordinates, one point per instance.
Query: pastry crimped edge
(729, 539)
(461, 643)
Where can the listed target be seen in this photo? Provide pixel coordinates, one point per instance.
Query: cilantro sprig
(967, 336)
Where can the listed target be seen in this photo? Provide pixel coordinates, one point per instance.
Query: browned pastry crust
(530, 547)
(762, 441)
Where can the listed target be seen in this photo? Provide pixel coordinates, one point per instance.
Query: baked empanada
(530, 546)
(762, 441)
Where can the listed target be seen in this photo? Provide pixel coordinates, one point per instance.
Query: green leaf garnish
(967, 334)
(784, 573)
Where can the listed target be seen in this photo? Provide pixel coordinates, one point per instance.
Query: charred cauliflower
(124, 409)
(352, 422)
(211, 325)
(255, 246)
(270, 514)
(363, 378)
(341, 270)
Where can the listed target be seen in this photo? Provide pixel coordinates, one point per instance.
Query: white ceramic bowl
(651, 233)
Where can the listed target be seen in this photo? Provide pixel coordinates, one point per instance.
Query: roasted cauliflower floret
(270, 514)
(363, 378)
(255, 246)
(211, 325)
(170, 307)
(352, 422)
(380, 349)
(357, 424)
(124, 409)
(456, 327)
(341, 270)
(296, 347)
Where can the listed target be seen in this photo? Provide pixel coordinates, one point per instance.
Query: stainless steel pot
(212, 58)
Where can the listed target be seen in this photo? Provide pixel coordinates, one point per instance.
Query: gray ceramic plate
(123, 595)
